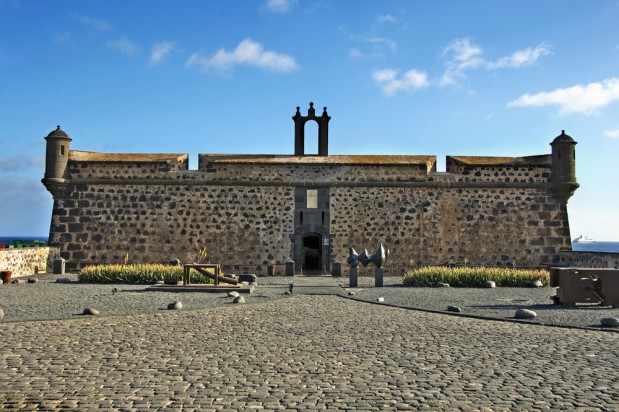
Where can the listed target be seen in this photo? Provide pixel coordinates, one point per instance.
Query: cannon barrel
(220, 278)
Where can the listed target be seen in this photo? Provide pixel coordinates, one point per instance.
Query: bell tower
(323, 131)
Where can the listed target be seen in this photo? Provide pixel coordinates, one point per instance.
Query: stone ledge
(201, 288)
(313, 183)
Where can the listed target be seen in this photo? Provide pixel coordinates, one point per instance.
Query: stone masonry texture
(26, 261)
(248, 210)
(501, 217)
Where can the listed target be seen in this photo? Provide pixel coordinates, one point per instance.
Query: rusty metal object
(585, 285)
(220, 278)
(202, 268)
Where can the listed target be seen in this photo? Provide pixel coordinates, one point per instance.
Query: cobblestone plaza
(304, 352)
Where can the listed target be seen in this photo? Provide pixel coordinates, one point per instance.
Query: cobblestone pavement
(304, 353)
(46, 299)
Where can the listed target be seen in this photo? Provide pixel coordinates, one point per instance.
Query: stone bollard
(336, 269)
(290, 268)
(58, 267)
(353, 278)
(378, 277)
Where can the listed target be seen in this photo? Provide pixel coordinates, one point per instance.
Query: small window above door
(312, 198)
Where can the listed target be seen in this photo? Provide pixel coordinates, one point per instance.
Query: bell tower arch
(323, 131)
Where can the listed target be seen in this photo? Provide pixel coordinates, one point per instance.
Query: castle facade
(251, 211)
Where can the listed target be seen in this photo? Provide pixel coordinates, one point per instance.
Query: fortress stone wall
(251, 211)
(27, 261)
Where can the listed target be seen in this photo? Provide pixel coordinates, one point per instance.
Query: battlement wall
(90, 165)
(506, 169)
(318, 170)
(314, 168)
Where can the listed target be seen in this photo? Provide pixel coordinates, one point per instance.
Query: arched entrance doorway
(312, 251)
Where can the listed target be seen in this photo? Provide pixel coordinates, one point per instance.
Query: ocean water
(8, 240)
(597, 246)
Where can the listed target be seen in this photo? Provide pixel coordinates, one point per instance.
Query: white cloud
(356, 53)
(160, 51)
(96, 24)
(461, 55)
(521, 58)
(384, 41)
(124, 45)
(613, 134)
(278, 6)
(586, 99)
(249, 53)
(390, 83)
(385, 18)
(377, 46)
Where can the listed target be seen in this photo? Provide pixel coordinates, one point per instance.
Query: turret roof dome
(58, 133)
(563, 138)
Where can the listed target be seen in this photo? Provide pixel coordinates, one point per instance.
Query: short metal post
(378, 277)
(353, 278)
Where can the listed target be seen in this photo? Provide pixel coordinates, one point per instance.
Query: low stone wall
(589, 259)
(28, 261)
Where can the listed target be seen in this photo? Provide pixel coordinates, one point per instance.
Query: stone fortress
(251, 211)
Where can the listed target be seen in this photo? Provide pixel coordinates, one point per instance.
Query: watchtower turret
(323, 131)
(56, 159)
(563, 166)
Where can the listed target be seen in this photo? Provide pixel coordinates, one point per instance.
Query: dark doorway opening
(312, 252)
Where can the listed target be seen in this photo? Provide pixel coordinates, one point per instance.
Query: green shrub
(474, 276)
(144, 274)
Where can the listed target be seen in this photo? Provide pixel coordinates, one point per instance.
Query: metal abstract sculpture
(379, 258)
(365, 258)
(353, 257)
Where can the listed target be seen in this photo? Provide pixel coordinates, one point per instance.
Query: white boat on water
(583, 239)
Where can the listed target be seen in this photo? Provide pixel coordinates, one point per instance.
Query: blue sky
(487, 78)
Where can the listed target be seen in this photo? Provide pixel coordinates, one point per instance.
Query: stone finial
(311, 111)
